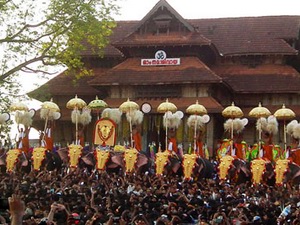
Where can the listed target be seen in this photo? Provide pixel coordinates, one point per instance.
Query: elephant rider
(236, 147)
(293, 128)
(294, 153)
(137, 138)
(172, 142)
(224, 148)
(24, 138)
(270, 151)
(201, 149)
(240, 146)
(48, 136)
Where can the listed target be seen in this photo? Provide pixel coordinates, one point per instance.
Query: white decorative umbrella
(166, 107)
(196, 109)
(96, 105)
(258, 113)
(284, 114)
(129, 107)
(76, 104)
(48, 108)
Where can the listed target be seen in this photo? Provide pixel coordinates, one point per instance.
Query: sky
(197, 9)
(193, 9)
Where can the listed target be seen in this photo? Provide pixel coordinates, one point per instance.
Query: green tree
(37, 35)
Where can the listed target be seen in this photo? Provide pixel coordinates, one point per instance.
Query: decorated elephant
(132, 160)
(167, 163)
(286, 172)
(15, 160)
(262, 172)
(234, 169)
(195, 166)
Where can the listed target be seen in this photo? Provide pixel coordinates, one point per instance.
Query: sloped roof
(130, 72)
(165, 4)
(249, 35)
(261, 79)
(191, 38)
(231, 36)
(64, 84)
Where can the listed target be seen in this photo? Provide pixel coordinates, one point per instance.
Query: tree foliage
(37, 35)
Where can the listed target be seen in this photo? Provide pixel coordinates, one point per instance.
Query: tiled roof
(130, 72)
(250, 34)
(260, 79)
(231, 36)
(191, 38)
(64, 84)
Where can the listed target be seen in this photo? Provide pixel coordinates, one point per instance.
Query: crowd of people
(80, 196)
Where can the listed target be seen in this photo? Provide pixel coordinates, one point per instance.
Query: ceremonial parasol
(129, 107)
(284, 114)
(196, 109)
(166, 107)
(18, 106)
(76, 104)
(258, 113)
(97, 105)
(232, 112)
(48, 107)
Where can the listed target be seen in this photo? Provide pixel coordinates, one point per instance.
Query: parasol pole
(166, 122)
(76, 125)
(284, 114)
(259, 134)
(284, 135)
(45, 127)
(130, 129)
(195, 135)
(231, 144)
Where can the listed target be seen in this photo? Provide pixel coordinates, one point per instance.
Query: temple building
(216, 62)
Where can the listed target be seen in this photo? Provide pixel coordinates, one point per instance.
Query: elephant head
(286, 171)
(234, 169)
(224, 166)
(11, 159)
(38, 156)
(188, 164)
(102, 156)
(161, 161)
(75, 152)
(258, 168)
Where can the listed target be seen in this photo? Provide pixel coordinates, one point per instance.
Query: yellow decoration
(225, 163)
(11, 159)
(130, 156)
(38, 155)
(258, 167)
(281, 168)
(119, 148)
(105, 132)
(74, 154)
(160, 161)
(102, 157)
(189, 161)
